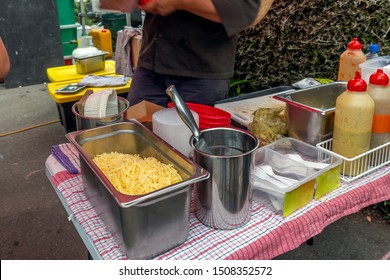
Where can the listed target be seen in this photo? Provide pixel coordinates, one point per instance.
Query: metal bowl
(311, 111)
(90, 63)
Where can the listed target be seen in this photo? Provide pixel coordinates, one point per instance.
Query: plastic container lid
(355, 44)
(370, 66)
(208, 116)
(374, 48)
(379, 78)
(357, 84)
(85, 48)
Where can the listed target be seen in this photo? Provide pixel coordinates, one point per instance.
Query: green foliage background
(304, 38)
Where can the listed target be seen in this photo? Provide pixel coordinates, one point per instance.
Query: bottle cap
(374, 48)
(379, 78)
(355, 44)
(357, 83)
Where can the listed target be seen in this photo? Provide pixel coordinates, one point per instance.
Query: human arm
(4, 60)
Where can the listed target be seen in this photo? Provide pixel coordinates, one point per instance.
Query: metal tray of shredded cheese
(138, 222)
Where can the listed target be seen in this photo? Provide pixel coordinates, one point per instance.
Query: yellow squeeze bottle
(352, 123)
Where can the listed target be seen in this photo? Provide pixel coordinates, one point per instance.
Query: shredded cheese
(134, 175)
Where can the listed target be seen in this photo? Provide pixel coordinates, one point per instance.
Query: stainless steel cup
(224, 201)
(83, 122)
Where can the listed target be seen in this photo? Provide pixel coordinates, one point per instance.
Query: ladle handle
(183, 111)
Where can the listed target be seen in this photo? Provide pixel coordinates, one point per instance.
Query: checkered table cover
(265, 236)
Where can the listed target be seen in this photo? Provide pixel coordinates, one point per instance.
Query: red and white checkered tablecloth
(265, 236)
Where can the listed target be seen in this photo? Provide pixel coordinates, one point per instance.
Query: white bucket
(170, 127)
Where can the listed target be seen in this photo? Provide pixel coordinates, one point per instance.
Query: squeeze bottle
(352, 123)
(350, 60)
(379, 90)
(373, 51)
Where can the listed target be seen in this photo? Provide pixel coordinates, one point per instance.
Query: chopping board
(242, 111)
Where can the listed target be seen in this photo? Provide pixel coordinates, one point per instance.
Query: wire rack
(361, 165)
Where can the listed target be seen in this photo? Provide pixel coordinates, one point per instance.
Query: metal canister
(224, 201)
(83, 122)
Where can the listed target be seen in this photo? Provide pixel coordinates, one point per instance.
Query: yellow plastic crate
(69, 72)
(61, 98)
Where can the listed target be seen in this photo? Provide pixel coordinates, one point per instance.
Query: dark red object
(379, 78)
(357, 84)
(143, 2)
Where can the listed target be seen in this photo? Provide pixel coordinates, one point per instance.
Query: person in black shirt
(190, 44)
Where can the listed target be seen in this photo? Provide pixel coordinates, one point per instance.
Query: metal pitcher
(224, 201)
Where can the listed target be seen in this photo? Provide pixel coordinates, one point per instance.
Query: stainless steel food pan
(90, 63)
(311, 111)
(144, 225)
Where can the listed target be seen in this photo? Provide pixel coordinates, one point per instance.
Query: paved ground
(34, 225)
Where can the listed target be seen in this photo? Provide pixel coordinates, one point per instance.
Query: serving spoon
(269, 171)
(186, 115)
(261, 174)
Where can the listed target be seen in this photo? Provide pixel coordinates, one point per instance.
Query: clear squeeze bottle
(352, 124)
(379, 90)
(350, 60)
(373, 51)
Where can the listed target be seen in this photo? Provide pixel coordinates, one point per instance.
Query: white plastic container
(379, 90)
(85, 48)
(313, 182)
(370, 66)
(170, 127)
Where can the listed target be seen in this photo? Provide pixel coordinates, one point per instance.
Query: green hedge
(302, 38)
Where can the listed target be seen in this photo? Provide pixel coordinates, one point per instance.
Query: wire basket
(361, 165)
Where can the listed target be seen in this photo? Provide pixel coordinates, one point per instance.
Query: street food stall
(254, 188)
(273, 219)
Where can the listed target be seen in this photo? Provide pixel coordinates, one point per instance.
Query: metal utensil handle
(183, 111)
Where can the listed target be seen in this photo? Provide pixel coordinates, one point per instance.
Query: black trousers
(150, 86)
